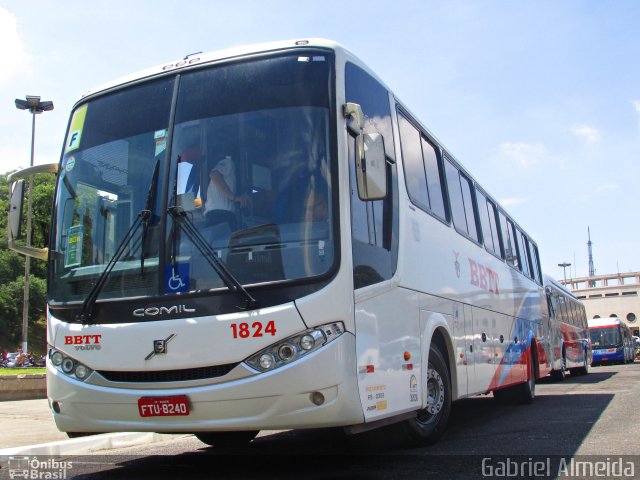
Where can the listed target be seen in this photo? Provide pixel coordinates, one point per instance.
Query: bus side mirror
(16, 182)
(371, 161)
(15, 210)
(371, 166)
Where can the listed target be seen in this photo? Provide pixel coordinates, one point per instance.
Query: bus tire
(583, 370)
(561, 375)
(429, 423)
(81, 434)
(527, 391)
(227, 439)
(504, 396)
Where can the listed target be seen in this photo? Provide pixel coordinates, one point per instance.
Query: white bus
(352, 273)
(568, 331)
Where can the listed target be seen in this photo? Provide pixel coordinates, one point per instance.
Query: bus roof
(550, 281)
(603, 322)
(199, 59)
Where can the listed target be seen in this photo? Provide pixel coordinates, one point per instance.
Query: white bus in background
(363, 279)
(568, 331)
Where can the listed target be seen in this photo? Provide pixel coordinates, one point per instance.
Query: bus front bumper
(281, 399)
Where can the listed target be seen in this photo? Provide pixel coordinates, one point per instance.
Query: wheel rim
(435, 396)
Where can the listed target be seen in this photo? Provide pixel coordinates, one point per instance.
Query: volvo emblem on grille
(160, 346)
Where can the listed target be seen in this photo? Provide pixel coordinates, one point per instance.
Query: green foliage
(12, 270)
(22, 371)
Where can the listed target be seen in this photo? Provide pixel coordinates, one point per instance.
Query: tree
(12, 269)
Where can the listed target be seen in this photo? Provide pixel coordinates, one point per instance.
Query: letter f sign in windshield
(74, 140)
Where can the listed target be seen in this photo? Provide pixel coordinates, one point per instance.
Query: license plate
(163, 406)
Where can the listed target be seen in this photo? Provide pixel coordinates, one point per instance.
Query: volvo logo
(160, 311)
(160, 346)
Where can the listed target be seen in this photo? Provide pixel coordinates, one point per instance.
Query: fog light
(317, 398)
(57, 358)
(286, 352)
(56, 407)
(82, 372)
(266, 361)
(307, 342)
(67, 365)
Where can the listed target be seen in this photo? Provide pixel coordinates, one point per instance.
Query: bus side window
(524, 252)
(461, 198)
(510, 252)
(536, 262)
(414, 172)
(433, 169)
(487, 211)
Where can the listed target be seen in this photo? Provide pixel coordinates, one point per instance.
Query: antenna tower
(592, 269)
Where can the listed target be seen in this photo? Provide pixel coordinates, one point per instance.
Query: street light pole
(564, 266)
(35, 106)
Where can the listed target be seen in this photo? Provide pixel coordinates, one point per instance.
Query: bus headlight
(56, 358)
(295, 347)
(266, 361)
(69, 366)
(286, 352)
(81, 372)
(307, 342)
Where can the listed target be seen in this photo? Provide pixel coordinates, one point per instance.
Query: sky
(539, 100)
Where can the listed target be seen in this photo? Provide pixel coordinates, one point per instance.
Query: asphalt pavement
(590, 415)
(27, 428)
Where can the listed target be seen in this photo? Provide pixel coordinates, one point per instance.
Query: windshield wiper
(180, 217)
(144, 217)
(147, 214)
(86, 312)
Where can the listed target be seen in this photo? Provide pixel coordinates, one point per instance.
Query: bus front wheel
(226, 439)
(429, 423)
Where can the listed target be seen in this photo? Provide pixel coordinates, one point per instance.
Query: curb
(87, 445)
(25, 386)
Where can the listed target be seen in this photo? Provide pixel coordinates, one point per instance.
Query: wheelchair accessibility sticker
(176, 278)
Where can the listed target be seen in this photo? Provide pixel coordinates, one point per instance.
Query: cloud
(510, 202)
(607, 187)
(525, 155)
(636, 105)
(15, 60)
(590, 134)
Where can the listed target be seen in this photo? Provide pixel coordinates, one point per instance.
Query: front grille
(169, 375)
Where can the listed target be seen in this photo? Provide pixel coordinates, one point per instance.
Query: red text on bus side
(484, 277)
(82, 339)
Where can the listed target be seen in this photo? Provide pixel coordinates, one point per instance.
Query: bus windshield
(605, 337)
(238, 154)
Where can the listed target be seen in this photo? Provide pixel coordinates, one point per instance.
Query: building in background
(614, 295)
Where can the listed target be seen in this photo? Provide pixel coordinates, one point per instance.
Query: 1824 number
(256, 329)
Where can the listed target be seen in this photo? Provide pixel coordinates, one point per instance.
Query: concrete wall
(23, 387)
